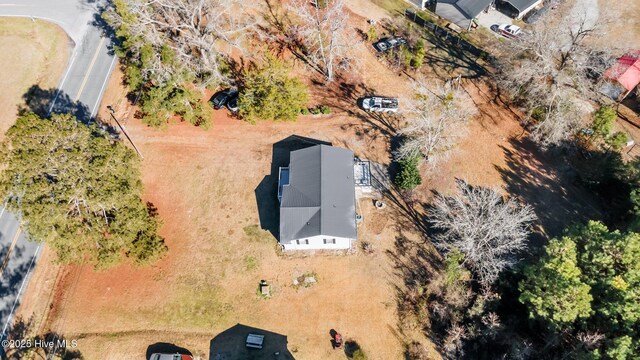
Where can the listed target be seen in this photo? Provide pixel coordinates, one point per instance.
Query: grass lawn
(31, 53)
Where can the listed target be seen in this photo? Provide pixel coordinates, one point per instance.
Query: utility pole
(112, 112)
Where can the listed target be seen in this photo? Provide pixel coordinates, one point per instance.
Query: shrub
(409, 176)
(269, 93)
(603, 120)
(617, 140)
(359, 355)
(372, 33)
(324, 109)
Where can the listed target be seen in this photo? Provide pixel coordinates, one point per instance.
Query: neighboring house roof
(320, 196)
(473, 7)
(522, 5)
(461, 12)
(626, 71)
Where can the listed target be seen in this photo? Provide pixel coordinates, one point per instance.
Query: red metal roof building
(626, 71)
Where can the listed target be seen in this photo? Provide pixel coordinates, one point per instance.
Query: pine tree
(269, 93)
(553, 288)
(78, 191)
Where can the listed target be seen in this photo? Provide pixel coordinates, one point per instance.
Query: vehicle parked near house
(232, 104)
(157, 356)
(221, 98)
(386, 44)
(508, 30)
(380, 104)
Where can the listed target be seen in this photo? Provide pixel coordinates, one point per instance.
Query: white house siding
(527, 10)
(418, 3)
(317, 243)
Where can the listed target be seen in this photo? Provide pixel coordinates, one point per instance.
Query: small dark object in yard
(380, 205)
(367, 247)
(264, 288)
(337, 341)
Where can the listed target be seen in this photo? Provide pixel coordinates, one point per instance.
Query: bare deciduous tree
(436, 121)
(486, 227)
(185, 35)
(323, 31)
(553, 70)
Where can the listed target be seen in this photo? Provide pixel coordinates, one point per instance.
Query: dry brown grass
(203, 184)
(31, 53)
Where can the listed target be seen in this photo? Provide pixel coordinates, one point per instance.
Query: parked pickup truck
(389, 43)
(380, 104)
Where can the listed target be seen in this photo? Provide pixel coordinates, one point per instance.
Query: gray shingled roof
(521, 5)
(472, 7)
(320, 197)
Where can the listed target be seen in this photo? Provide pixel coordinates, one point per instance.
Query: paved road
(80, 91)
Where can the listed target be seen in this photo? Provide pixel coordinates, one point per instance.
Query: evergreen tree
(269, 93)
(409, 176)
(589, 282)
(78, 191)
(553, 288)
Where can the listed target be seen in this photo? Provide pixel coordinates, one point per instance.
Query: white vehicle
(508, 30)
(255, 341)
(380, 104)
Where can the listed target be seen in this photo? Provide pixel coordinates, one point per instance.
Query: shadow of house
(165, 348)
(231, 345)
(267, 191)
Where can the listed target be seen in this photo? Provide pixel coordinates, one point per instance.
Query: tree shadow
(350, 347)
(549, 184)
(165, 348)
(105, 28)
(458, 54)
(44, 102)
(278, 33)
(267, 191)
(231, 345)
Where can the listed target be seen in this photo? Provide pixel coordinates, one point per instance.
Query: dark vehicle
(232, 104)
(221, 98)
(386, 44)
(170, 357)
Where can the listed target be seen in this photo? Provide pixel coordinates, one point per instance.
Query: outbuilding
(624, 76)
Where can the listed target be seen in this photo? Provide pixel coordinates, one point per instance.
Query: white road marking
(15, 302)
(64, 78)
(104, 84)
(3, 208)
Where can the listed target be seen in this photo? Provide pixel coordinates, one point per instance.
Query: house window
(302, 242)
(329, 241)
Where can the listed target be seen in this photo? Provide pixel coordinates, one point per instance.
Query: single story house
(624, 76)
(460, 12)
(517, 9)
(317, 199)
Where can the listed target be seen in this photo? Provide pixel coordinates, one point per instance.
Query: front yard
(208, 187)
